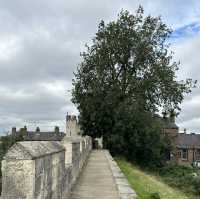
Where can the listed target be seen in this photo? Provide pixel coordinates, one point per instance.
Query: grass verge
(145, 184)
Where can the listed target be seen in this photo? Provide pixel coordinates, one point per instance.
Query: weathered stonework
(77, 151)
(72, 126)
(43, 169)
(18, 179)
(123, 186)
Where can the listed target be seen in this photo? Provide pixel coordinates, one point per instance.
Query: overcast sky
(40, 43)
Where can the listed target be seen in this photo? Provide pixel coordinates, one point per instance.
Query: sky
(40, 45)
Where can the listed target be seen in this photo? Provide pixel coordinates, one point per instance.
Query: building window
(179, 154)
(198, 154)
(184, 154)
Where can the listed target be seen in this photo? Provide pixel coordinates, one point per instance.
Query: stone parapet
(43, 169)
(77, 151)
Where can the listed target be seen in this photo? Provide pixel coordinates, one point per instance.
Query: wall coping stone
(73, 139)
(29, 150)
(122, 184)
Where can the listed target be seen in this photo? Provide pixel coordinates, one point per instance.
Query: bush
(176, 171)
(196, 186)
(155, 196)
(182, 177)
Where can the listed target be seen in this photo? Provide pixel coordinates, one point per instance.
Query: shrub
(196, 186)
(182, 177)
(155, 196)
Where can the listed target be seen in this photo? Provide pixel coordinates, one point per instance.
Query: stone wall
(77, 151)
(43, 169)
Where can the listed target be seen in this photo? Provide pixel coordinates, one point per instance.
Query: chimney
(57, 130)
(25, 129)
(14, 131)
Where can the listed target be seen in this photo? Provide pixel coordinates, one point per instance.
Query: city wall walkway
(58, 170)
(96, 180)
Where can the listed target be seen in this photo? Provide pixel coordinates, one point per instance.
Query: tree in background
(127, 76)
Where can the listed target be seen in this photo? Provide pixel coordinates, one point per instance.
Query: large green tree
(125, 77)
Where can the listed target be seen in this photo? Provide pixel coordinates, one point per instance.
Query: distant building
(72, 126)
(188, 149)
(186, 146)
(38, 135)
(72, 129)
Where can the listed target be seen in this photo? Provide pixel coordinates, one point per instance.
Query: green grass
(144, 183)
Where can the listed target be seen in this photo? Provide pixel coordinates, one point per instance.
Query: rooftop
(184, 140)
(38, 135)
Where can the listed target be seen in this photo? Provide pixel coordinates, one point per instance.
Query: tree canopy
(126, 76)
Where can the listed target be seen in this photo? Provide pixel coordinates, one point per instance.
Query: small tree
(125, 77)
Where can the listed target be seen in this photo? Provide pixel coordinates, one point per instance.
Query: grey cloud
(40, 42)
(39, 59)
(187, 52)
(175, 12)
(192, 126)
(36, 101)
(47, 38)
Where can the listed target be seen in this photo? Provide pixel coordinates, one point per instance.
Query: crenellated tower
(72, 126)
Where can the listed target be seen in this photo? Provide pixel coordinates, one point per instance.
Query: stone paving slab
(96, 180)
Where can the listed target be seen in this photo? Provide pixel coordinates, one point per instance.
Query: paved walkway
(96, 180)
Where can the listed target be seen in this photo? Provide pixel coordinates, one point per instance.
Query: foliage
(136, 141)
(7, 142)
(146, 183)
(183, 177)
(155, 196)
(196, 186)
(125, 77)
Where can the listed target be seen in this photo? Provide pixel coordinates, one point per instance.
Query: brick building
(186, 147)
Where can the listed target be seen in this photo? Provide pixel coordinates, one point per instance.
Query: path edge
(123, 187)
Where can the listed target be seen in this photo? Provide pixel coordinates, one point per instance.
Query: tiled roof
(44, 136)
(188, 140)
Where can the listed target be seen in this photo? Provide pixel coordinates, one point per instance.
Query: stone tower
(72, 126)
